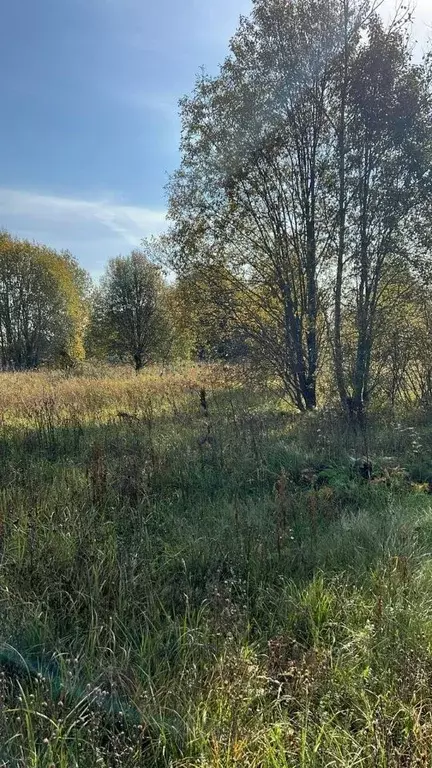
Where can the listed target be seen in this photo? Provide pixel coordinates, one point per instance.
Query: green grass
(247, 601)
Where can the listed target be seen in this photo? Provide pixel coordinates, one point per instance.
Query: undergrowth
(211, 587)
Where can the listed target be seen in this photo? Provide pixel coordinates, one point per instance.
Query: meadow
(193, 576)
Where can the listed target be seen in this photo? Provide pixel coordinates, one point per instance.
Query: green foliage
(129, 319)
(202, 304)
(42, 305)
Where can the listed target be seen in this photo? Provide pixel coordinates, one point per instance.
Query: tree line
(52, 314)
(299, 223)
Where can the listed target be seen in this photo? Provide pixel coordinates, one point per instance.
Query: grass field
(209, 590)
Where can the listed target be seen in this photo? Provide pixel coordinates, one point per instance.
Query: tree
(202, 316)
(384, 152)
(304, 165)
(249, 195)
(42, 304)
(129, 318)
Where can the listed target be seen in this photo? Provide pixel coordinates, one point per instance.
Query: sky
(89, 131)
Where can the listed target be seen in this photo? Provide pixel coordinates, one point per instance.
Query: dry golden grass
(99, 394)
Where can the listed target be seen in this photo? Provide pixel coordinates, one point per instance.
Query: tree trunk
(361, 370)
(139, 361)
(312, 307)
(337, 341)
(304, 383)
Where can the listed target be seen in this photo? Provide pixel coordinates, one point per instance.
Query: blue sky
(89, 127)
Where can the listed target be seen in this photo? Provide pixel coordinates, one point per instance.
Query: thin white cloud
(93, 230)
(130, 222)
